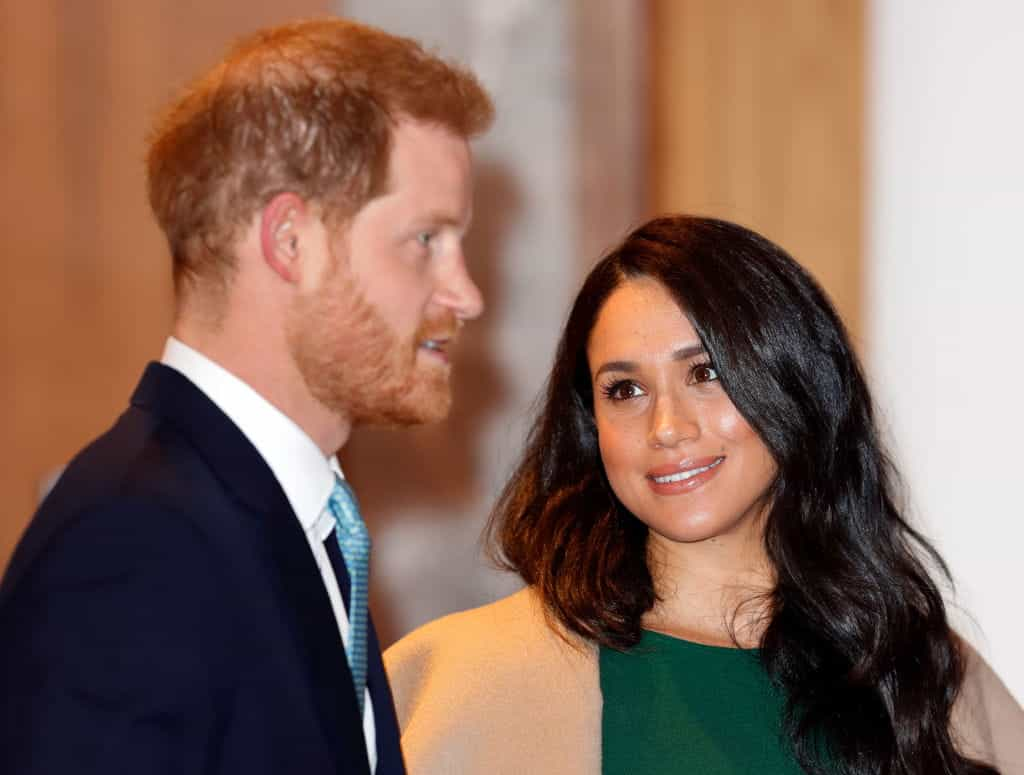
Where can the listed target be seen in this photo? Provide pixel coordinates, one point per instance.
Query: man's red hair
(307, 108)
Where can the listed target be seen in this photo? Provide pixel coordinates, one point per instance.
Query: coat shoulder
(508, 632)
(499, 683)
(475, 653)
(987, 720)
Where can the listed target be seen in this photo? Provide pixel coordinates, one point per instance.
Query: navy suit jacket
(163, 614)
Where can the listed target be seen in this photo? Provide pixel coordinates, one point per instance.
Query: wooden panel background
(85, 272)
(757, 116)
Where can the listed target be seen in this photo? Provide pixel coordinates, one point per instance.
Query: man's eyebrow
(442, 218)
(629, 367)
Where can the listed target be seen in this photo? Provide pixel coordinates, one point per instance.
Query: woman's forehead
(640, 316)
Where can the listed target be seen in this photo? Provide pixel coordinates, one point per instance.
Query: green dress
(673, 706)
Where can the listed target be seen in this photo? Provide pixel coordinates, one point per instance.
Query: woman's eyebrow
(691, 350)
(682, 354)
(627, 366)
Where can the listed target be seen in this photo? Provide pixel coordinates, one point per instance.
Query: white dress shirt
(302, 470)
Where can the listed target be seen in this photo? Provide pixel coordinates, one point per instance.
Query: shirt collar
(302, 470)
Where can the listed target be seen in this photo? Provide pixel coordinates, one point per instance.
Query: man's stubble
(355, 364)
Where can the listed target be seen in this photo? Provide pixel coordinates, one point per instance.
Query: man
(191, 596)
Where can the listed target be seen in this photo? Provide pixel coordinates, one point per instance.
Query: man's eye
(703, 372)
(425, 238)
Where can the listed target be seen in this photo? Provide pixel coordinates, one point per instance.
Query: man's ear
(283, 230)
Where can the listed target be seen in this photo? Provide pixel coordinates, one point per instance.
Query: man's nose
(460, 294)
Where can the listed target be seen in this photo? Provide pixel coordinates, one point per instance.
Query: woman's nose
(672, 423)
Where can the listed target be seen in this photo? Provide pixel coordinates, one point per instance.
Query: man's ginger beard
(354, 363)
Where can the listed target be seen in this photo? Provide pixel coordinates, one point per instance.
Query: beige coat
(495, 690)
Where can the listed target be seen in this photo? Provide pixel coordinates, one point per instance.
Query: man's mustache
(441, 328)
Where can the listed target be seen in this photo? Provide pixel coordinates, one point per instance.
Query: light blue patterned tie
(354, 541)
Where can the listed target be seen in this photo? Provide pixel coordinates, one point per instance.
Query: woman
(718, 576)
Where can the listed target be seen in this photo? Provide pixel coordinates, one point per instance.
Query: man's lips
(438, 344)
(684, 476)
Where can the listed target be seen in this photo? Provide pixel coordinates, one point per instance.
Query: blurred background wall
(86, 277)
(816, 122)
(944, 273)
(558, 181)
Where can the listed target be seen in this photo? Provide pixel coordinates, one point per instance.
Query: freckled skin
(672, 410)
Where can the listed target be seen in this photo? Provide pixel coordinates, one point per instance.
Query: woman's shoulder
(498, 641)
(485, 631)
(520, 610)
(499, 683)
(987, 721)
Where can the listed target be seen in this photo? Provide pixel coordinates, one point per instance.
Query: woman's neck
(716, 591)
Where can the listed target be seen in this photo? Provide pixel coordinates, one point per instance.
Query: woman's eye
(703, 372)
(622, 391)
(425, 238)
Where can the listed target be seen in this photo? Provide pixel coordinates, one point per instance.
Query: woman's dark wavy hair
(858, 637)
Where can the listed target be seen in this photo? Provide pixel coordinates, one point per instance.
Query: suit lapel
(389, 749)
(312, 619)
(273, 531)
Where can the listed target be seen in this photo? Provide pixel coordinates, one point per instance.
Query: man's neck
(268, 368)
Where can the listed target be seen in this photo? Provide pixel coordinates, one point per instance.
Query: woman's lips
(685, 476)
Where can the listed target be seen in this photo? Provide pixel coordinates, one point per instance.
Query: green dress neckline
(673, 706)
(676, 640)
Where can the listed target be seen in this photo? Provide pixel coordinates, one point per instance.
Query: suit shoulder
(138, 486)
(144, 603)
(139, 460)
(119, 550)
(123, 515)
(141, 455)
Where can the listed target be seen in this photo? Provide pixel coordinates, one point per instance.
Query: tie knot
(345, 509)
(343, 492)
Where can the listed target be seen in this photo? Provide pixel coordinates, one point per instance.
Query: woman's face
(676, 451)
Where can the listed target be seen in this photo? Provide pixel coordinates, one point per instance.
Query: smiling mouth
(682, 476)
